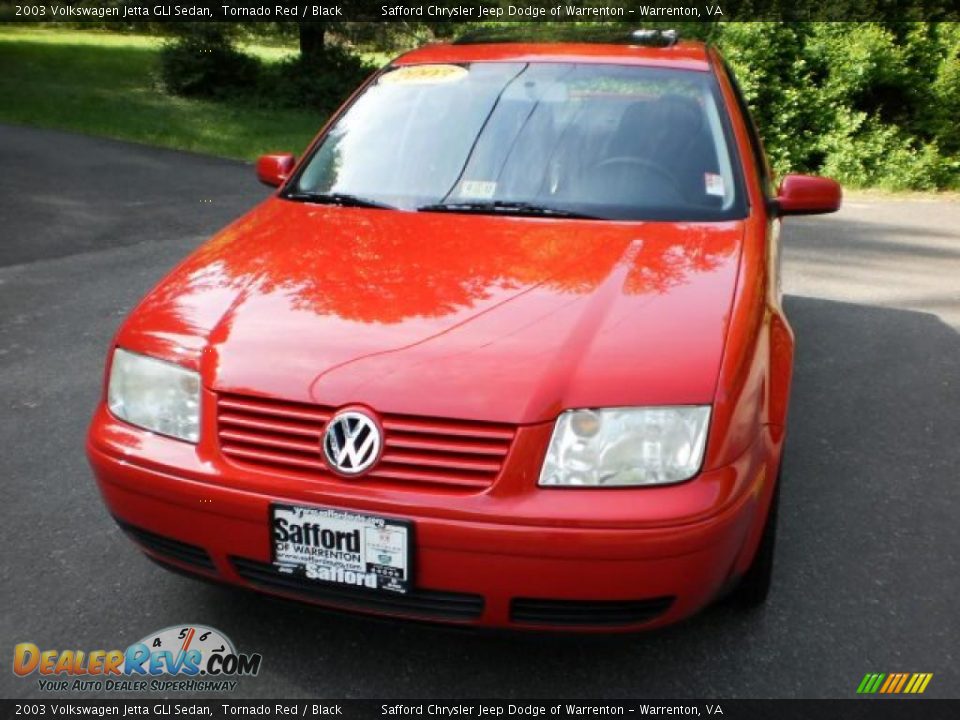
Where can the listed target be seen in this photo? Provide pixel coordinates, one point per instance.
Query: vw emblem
(351, 442)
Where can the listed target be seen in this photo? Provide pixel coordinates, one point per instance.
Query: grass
(106, 84)
(866, 194)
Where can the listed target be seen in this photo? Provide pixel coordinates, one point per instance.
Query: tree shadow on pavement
(904, 256)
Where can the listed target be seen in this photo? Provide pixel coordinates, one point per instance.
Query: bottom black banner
(913, 709)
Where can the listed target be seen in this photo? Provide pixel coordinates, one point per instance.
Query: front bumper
(557, 559)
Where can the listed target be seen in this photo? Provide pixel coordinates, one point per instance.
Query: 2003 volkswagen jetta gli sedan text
(505, 348)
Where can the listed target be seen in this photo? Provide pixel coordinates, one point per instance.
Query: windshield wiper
(505, 207)
(341, 199)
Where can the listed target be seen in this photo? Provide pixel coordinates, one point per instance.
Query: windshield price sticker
(423, 74)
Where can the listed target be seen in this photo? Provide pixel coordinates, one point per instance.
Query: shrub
(319, 82)
(203, 62)
(775, 76)
(945, 103)
(864, 152)
(872, 104)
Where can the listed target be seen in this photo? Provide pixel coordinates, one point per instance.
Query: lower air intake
(529, 611)
(169, 548)
(426, 604)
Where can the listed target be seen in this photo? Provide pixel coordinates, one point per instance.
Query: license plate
(343, 548)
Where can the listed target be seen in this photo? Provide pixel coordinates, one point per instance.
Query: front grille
(587, 612)
(169, 548)
(454, 454)
(426, 604)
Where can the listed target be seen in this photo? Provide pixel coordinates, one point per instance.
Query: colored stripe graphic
(894, 683)
(918, 683)
(870, 683)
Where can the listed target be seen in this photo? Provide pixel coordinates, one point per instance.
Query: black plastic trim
(419, 603)
(586, 613)
(168, 547)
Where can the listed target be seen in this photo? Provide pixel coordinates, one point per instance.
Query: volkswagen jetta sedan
(505, 348)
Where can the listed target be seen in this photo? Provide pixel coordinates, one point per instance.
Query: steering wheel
(657, 170)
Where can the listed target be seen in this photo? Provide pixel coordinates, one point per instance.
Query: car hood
(490, 318)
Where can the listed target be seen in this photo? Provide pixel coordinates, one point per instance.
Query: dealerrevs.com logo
(188, 658)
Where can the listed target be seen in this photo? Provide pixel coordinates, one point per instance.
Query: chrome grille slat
(268, 434)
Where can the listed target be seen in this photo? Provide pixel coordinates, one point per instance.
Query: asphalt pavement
(867, 575)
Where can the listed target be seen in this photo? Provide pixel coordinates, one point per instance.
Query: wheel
(754, 586)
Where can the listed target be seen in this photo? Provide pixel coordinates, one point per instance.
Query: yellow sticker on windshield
(423, 74)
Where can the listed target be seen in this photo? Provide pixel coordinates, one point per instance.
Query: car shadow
(871, 455)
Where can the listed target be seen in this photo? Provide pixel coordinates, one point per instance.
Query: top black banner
(637, 13)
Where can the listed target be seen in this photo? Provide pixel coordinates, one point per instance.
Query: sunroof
(603, 35)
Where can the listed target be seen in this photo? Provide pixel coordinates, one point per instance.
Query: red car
(506, 348)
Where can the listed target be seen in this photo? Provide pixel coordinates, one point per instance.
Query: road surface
(867, 575)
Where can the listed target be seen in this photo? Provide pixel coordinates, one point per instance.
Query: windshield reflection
(605, 141)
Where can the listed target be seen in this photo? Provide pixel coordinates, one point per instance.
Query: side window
(756, 146)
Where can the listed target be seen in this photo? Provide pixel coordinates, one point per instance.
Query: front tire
(754, 586)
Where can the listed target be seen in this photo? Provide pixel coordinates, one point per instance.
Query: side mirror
(273, 170)
(808, 195)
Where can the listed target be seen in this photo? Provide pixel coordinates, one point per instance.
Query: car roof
(685, 55)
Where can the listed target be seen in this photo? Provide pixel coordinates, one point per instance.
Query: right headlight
(155, 395)
(626, 446)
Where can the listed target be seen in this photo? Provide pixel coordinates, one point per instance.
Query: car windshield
(593, 140)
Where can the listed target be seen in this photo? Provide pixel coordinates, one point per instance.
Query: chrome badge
(351, 442)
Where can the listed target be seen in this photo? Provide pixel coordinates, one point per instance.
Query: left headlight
(155, 395)
(626, 446)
